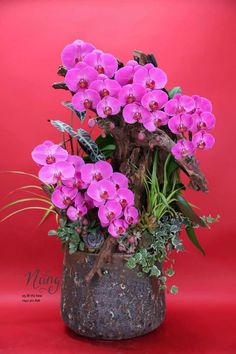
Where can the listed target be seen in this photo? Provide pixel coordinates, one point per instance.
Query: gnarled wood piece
(103, 257)
(126, 139)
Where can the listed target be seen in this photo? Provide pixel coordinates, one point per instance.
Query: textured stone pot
(118, 305)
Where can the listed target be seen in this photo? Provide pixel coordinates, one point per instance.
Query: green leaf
(89, 145)
(193, 238)
(83, 138)
(24, 209)
(72, 248)
(155, 271)
(186, 210)
(81, 246)
(170, 272)
(52, 233)
(104, 141)
(21, 173)
(174, 290)
(174, 90)
(46, 214)
(110, 147)
(131, 263)
(80, 115)
(25, 200)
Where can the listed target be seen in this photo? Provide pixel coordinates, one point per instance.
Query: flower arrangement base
(117, 305)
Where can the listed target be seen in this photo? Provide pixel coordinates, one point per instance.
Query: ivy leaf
(186, 210)
(174, 90)
(155, 271)
(52, 233)
(80, 115)
(174, 290)
(131, 263)
(170, 272)
(193, 238)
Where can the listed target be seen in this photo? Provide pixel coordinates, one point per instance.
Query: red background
(194, 43)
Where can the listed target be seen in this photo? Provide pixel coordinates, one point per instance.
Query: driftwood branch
(104, 256)
(128, 136)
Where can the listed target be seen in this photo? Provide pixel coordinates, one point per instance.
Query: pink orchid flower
(87, 99)
(96, 171)
(49, 153)
(104, 63)
(75, 52)
(56, 172)
(180, 104)
(101, 191)
(125, 74)
(117, 228)
(203, 140)
(180, 123)
(203, 121)
(134, 113)
(80, 78)
(108, 106)
(63, 196)
(110, 211)
(106, 87)
(155, 120)
(150, 77)
(131, 215)
(154, 100)
(125, 197)
(182, 149)
(202, 104)
(119, 180)
(75, 213)
(131, 93)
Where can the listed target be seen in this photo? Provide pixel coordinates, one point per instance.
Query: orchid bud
(141, 136)
(92, 122)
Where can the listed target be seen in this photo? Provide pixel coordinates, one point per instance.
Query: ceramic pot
(118, 305)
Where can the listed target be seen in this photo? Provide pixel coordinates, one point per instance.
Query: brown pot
(117, 305)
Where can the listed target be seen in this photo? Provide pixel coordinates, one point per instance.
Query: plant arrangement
(122, 192)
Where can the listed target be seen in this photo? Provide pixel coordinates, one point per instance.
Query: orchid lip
(50, 159)
(107, 110)
(153, 105)
(104, 93)
(150, 84)
(87, 103)
(83, 83)
(100, 69)
(201, 144)
(104, 195)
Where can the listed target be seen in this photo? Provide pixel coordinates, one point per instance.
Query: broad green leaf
(186, 209)
(193, 238)
(110, 147)
(83, 138)
(104, 141)
(80, 115)
(174, 90)
(89, 145)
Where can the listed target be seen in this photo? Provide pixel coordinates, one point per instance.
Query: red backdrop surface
(193, 42)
